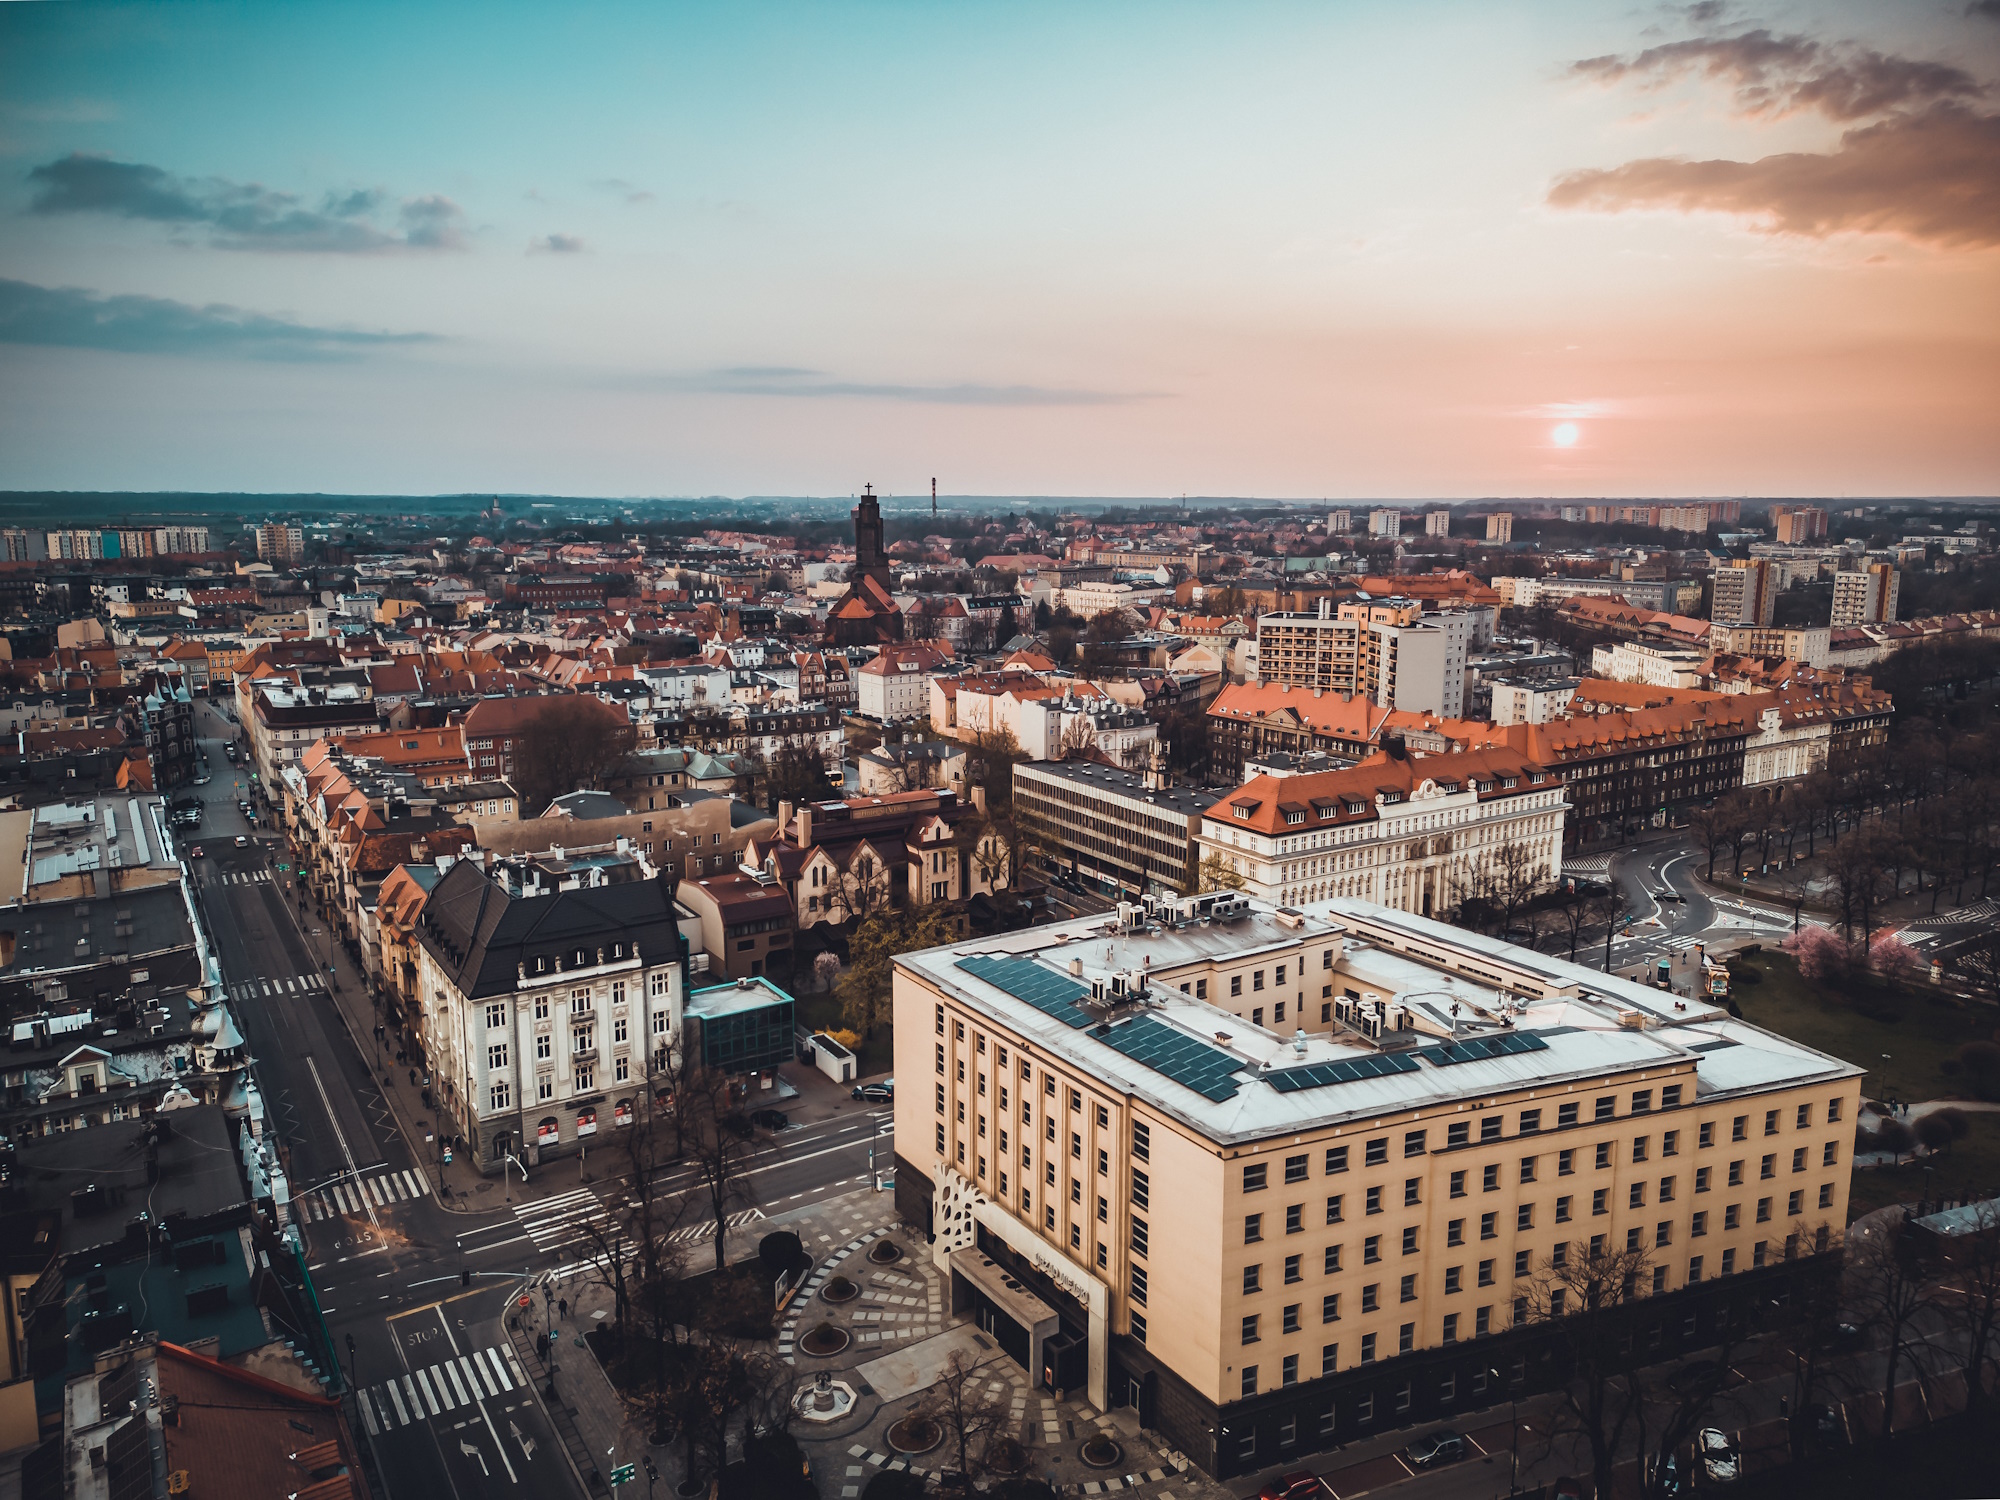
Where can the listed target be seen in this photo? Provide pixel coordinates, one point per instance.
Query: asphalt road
(440, 1396)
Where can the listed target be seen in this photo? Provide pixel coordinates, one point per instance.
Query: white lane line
(338, 1135)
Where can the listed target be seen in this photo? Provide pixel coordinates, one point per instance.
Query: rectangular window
(1603, 1155)
(1333, 1208)
(1139, 1237)
(1371, 1249)
(1336, 1159)
(1142, 1189)
(1566, 1163)
(1489, 1226)
(1489, 1179)
(1524, 1216)
(1292, 1270)
(496, 1055)
(1250, 1335)
(1457, 1135)
(1701, 1176)
(1642, 1101)
(1374, 1200)
(1454, 1232)
(1833, 1111)
(1799, 1159)
(1666, 1190)
(1250, 1389)
(1407, 1290)
(1565, 1115)
(1670, 1143)
(1329, 1308)
(1413, 1143)
(1640, 1144)
(1329, 1364)
(1795, 1204)
(1368, 1358)
(1371, 1297)
(1769, 1167)
(1142, 1141)
(1638, 1196)
(1296, 1168)
(1295, 1218)
(1253, 1228)
(1826, 1195)
(1830, 1155)
(1410, 1240)
(1520, 1264)
(1139, 1327)
(1482, 1321)
(1253, 1178)
(1670, 1096)
(1770, 1122)
(1331, 1259)
(1489, 1128)
(1291, 1318)
(1531, 1121)
(1736, 1174)
(1412, 1188)
(1599, 1201)
(1706, 1135)
(1607, 1107)
(1739, 1128)
(1486, 1273)
(1562, 1210)
(1528, 1168)
(1377, 1152)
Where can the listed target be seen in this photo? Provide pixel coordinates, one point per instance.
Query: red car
(195, 852)
(1297, 1485)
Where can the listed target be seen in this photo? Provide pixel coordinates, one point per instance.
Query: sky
(1411, 250)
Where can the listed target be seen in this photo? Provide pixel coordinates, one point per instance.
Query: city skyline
(1361, 254)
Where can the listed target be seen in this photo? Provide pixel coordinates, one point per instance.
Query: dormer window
(1244, 810)
(1294, 815)
(1508, 783)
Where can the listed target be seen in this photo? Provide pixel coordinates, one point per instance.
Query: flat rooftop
(1484, 1018)
(1191, 802)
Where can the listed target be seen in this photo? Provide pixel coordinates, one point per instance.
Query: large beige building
(1865, 596)
(1388, 650)
(1422, 834)
(1284, 1179)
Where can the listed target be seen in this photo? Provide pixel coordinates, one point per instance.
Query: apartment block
(281, 544)
(1388, 650)
(1283, 1179)
(1385, 522)
(1500, 526)
(1746, 593)
(1866, 596)
(1437, 523)
(1798, 524)
(1339, 522)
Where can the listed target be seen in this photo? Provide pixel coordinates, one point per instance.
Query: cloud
(619, 187)
(78, 111)
(802, 384)
(556, 244)
(69, 317)
(1990, 9)
(245, 216)
(1931, 176)
(1774, 75)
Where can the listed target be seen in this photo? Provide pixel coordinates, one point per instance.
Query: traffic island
(839, 1289)
(1101, 1452)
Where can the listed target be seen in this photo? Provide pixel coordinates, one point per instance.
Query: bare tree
(1971, 1302)
(1886, 1284)
(715, 1147)
(962, 1406)
(1217, 874)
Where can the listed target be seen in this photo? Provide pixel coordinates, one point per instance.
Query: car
(243, 804)
(195, 852)
(1720, 1463)
(771, 1119)
(876, 1093)
(1827, 1427)
(243, 841)
(1300, 1484)
(203, 779)
(1443, 1447)
(1847, 1336)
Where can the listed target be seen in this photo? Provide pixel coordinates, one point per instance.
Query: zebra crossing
(566, 1221)
(694, 1234)
(485, 1374)
(241, 877)
(273, 989)
(381, 1188)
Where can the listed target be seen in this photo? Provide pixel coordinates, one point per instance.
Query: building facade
(1422, 834)
(1129, 832)
(546, 1003)
(1282, 1180)
(1746, 592)
(1866, 596)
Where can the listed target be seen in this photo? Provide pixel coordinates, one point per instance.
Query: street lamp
(507, 1158)
(1514, 1426)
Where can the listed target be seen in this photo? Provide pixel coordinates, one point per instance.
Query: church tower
(868, 554)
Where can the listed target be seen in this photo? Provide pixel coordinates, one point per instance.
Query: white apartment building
(1385, 522)
(1420, 834)
(897, 683)
(1746, 592)
(548, 998)
(1388, 650)
(1531, 700)
(1437, 523)
(1655, 666)
(1500, 526)
(1866, 596)
(1102, 595)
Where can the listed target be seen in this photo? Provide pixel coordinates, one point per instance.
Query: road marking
(457, 1385)
(396, 1397)
(367, 1413)
(338, 1134)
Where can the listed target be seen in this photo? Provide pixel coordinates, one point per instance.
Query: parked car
(877, 1093)
(1827, 1427)
(1445, 1447)
(243, 841)
(1300, 1484)
(771, 1119)
(203, 779)
(1720, 1463)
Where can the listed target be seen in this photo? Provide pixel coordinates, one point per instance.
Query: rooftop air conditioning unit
(1371, 1025)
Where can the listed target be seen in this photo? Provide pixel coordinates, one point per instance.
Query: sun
(1565, 434)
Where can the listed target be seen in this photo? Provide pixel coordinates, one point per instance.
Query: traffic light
(465, 1276)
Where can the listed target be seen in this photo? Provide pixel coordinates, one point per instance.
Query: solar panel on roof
(1481, 1048)
(1188, 1061)
(1052, 993)
(1347, 1070)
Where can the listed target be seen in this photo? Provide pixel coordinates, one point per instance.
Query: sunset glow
(757, 249)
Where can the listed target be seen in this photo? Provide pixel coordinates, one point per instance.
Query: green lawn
(1900, 1037)
(1973, 1163)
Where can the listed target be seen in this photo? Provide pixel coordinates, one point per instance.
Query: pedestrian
(562, 1307)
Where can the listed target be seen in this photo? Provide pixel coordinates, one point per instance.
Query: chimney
(805, 825)
(784, 815)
